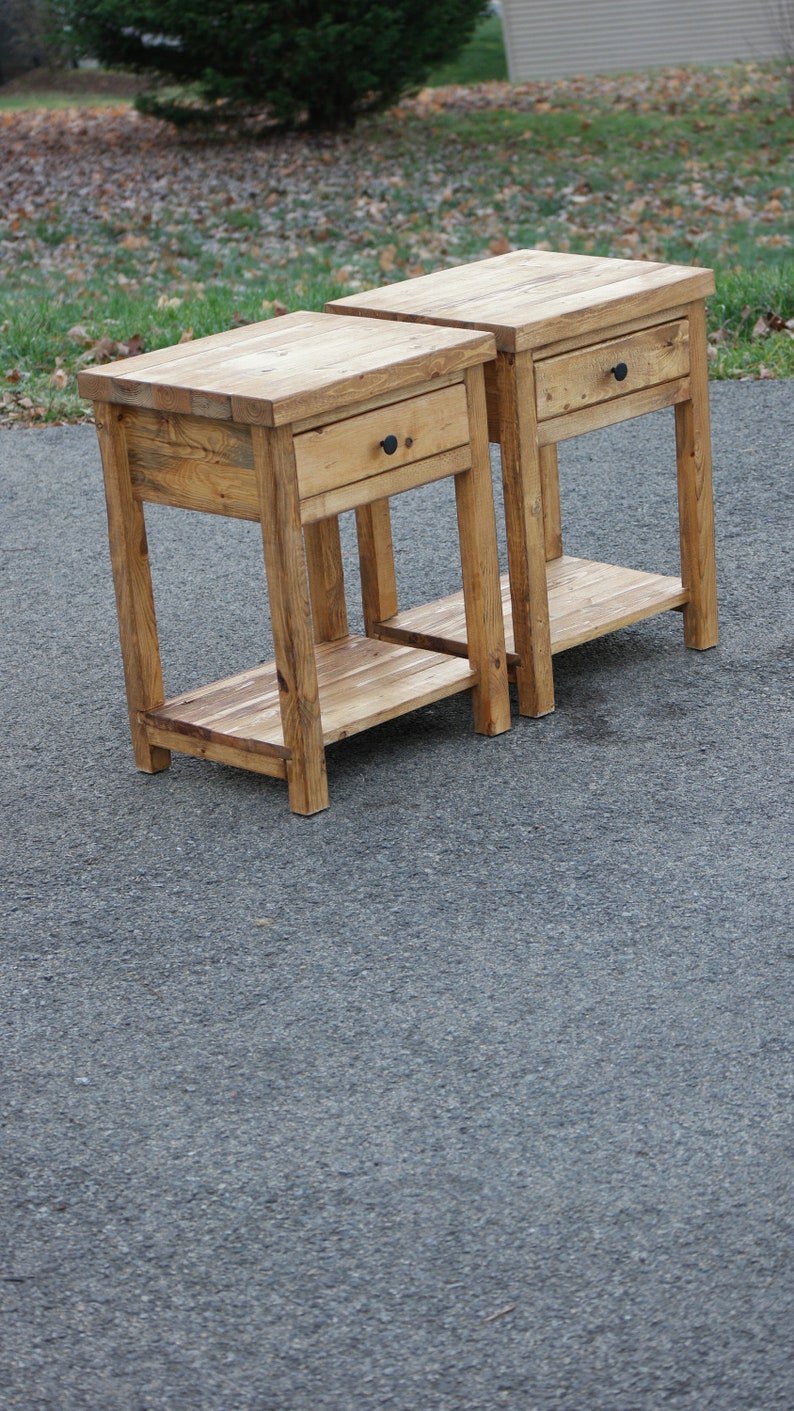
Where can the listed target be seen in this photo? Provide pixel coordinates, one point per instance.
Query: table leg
(326, 579)
(695, 499)
(133, 584)
(552, 514)
(526, 547)
(480, 568)
(376, 561)
(288, 590)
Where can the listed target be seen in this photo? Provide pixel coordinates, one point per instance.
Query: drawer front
(386, 439)
(611, 369)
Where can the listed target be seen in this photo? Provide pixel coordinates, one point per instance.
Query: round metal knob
(389, 444)
(619, 371)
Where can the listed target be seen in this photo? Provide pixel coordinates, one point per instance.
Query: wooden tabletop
(300, 365)
(530, 298)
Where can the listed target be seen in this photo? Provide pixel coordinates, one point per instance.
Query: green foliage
(482, 60)
(319, 62)
(36, 32)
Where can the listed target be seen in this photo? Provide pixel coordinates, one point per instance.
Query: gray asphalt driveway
(474, 1091)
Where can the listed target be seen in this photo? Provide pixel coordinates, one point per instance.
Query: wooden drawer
(359, 447)
(607, 370)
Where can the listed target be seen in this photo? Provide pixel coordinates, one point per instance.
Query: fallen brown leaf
(774, 321)
(129, 347)
(99, 352)
(79, 334)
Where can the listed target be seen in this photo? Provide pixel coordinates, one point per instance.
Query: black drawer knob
(619, 371)
(389, 444)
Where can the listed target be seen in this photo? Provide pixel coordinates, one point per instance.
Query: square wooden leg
(482, 593)
(326, 579)
(552, 514)
(526, 541)
(293, 640)
(695, 497)
(133, 584)
(376, 561)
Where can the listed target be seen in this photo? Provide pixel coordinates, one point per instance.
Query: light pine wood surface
(129, 557)
(695, 495)
(533, 298)
(585, 597)
(526, 531)
(571, 381)
(288, 424)
(286, 369)
(583, 342)
(362, 681)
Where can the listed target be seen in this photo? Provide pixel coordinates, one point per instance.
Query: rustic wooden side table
(582, 342)
(289, 423)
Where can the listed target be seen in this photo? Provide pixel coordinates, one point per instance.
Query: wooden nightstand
(582, 342)
(289, 423)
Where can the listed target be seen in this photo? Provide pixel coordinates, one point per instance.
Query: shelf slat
(587, 599)
(362, 682)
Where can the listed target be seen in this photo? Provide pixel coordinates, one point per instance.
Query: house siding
(558, 38)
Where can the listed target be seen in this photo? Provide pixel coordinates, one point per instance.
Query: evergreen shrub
(319, 63)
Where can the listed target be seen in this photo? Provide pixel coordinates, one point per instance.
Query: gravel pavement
(474, 1091)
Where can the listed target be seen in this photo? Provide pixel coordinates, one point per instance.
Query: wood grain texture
(288, 591)
(650, 399)
(526, 545)
(552, 511)
(181, 739)
(642, 296)
(572, 381)
(695, 496)
(287, 369)
(383, 486)
(362, 682)
(326, 579)
(132, 581)
(354, 449)
(390, 398)
(177, 412)
(376, 563)
(587, 599)
(532, 298)
(480, 569)
(191, 462)
(491, 372)
(364, 685)
(619, 329)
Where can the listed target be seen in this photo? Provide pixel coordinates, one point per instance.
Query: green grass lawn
(116, 234)
(67, 88)
(30, 102)
(483, 60)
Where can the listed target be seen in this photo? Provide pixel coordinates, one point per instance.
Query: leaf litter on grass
(112, 222)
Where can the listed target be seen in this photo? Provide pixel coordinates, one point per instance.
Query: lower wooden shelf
(586, 599)
(363, 681)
